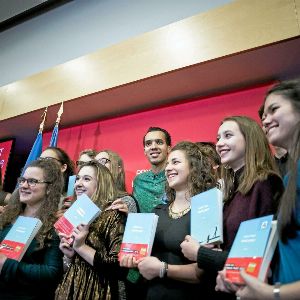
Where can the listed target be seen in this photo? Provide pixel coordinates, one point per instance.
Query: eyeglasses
(104, 161)
(31, 181)
(49, 158)
(79, 163)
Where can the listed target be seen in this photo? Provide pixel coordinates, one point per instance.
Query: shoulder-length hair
(117, 171)
(259, 161)
(200, 177)
(106, 191)
(49, 204)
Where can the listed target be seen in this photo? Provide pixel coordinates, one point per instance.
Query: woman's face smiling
(86, 182)
(177, 170)
(33, 195)
(231, 145)
(280, 120)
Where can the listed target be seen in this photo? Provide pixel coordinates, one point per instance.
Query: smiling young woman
(251, 189)
(92, 259)
(282, 125)
(40, 270)
(170, 274)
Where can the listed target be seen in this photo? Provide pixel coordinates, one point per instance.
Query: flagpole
(36, 149)
(59, 113)
(44, 115)
(54, 136)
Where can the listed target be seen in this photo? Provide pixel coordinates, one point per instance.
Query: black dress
(169, 235)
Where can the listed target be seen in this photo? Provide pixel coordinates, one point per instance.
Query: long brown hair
(106, 191)
(209, 150)
(287, 220)
(259, 162)
(49, 204)
(200, 177)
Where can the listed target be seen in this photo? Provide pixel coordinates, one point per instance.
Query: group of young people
(241, 164)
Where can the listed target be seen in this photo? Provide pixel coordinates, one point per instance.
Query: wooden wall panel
(230, 29)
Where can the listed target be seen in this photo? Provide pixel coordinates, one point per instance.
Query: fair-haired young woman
(115, 165)
(251, 189)
(37, 275)
(281, 121)
(93, 269)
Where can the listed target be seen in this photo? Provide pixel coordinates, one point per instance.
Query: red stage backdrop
(196, 120)
(5, 148)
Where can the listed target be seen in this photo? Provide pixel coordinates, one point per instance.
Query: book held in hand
(138, 235)
(71, 183)
(252, 249)
(82, 211)
(207, 217)
(19, 237)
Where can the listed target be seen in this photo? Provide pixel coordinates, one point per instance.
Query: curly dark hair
(201, 177)
(209, 150)
(49, 204)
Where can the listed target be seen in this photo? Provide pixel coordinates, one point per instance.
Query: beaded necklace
(177, 215)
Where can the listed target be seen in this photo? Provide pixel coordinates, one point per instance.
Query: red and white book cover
(19, 237)
(82, 211)
(139, 235)
(252, 249)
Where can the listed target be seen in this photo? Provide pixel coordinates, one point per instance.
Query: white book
(207, 217)
(139, 235)
(19, 237)
(252, 249)
(82, 211)
(71, 184)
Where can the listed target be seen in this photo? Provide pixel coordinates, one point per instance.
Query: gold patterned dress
(83, 281)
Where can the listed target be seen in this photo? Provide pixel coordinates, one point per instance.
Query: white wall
(83, 26)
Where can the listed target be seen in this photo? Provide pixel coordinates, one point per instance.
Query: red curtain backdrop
(197, 120)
